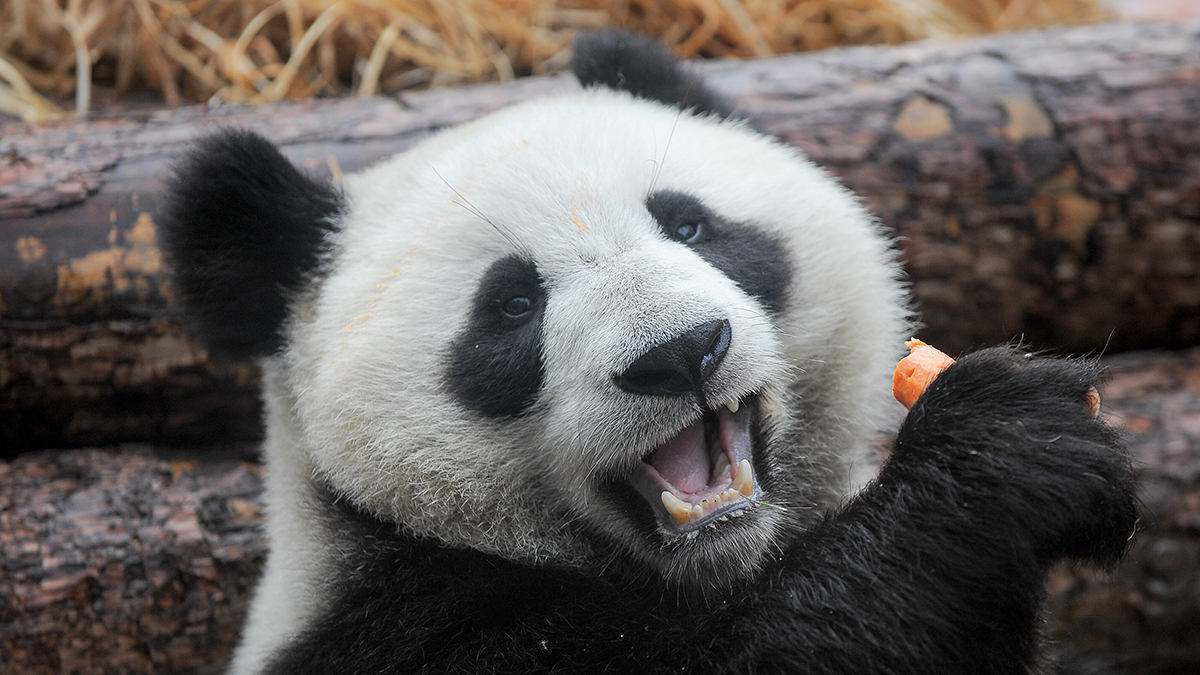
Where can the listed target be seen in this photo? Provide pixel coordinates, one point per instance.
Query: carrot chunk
(916, 371)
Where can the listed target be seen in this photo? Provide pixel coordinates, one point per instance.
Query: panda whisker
(654, 161)
(473, 210)
(666, 149)
(470, 208)
(751, 311)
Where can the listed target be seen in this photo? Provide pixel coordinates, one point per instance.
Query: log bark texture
(1043, 184)
(126, 560)
(1146, 616)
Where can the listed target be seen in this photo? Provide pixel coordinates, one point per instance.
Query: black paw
(1016, 440)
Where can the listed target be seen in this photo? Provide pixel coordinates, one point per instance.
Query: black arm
(998, 472)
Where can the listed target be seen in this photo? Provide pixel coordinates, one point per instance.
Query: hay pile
(265, 50)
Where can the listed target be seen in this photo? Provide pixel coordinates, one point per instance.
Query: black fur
(494, 366)
(641, 66)
(243, 231)
(756, 261)
(937, 567)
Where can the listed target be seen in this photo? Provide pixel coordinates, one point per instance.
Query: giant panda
(587, 386)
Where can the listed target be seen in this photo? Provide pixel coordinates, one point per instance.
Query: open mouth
(704, 473)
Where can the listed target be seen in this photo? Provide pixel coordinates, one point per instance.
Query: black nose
(680, 365)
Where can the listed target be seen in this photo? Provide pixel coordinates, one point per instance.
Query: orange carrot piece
(915, 371)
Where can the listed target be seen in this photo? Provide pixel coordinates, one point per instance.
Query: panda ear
(243, 230)
(641, 66)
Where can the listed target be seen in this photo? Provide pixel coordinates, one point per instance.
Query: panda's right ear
(243, 231)
(640, 65)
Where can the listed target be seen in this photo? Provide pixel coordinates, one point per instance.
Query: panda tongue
(683, 461)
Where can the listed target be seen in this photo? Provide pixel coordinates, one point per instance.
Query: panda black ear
(243, 230)
(641, 66)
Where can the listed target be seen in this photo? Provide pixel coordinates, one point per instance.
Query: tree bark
(1146, 615)
(127, 560)
(124, 561)
(1044, 185)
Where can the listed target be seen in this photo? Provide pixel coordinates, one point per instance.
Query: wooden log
(1146, 616)
(124, 561)
(1043, 185)
(131, 560)
(129, 380)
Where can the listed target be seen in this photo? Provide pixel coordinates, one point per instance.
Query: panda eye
(683, 218)
(517, 306)
(686, 232)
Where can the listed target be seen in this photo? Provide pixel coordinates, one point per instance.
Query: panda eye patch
(755, 260)
(682, 217)
(494, 364)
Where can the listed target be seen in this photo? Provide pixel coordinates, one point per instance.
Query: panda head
(588, 329)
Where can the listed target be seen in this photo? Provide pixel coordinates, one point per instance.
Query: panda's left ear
(641, 66)
(244, 231)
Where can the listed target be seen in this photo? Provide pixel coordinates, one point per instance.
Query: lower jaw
(710, 517)
(677, 513)
(711, 556)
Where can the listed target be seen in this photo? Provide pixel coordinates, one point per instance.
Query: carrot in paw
(915, 371)
(924, 363)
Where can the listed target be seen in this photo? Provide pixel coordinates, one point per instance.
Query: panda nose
(680, 365)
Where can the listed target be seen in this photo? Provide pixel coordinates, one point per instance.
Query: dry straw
(265, 50)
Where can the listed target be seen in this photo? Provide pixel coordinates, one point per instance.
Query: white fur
(289, 593)
(564, 182)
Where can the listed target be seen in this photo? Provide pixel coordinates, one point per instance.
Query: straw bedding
(266, 50)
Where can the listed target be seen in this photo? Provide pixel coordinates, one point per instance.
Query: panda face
(593, 327)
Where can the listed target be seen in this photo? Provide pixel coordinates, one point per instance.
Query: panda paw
(1013, 439)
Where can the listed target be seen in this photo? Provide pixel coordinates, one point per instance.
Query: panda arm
(998, 472)
(937, 567)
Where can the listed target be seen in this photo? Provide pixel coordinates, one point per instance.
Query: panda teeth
(680, 513)
(726, 484)
(722, 466)
(743, 480)
(683, 513)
